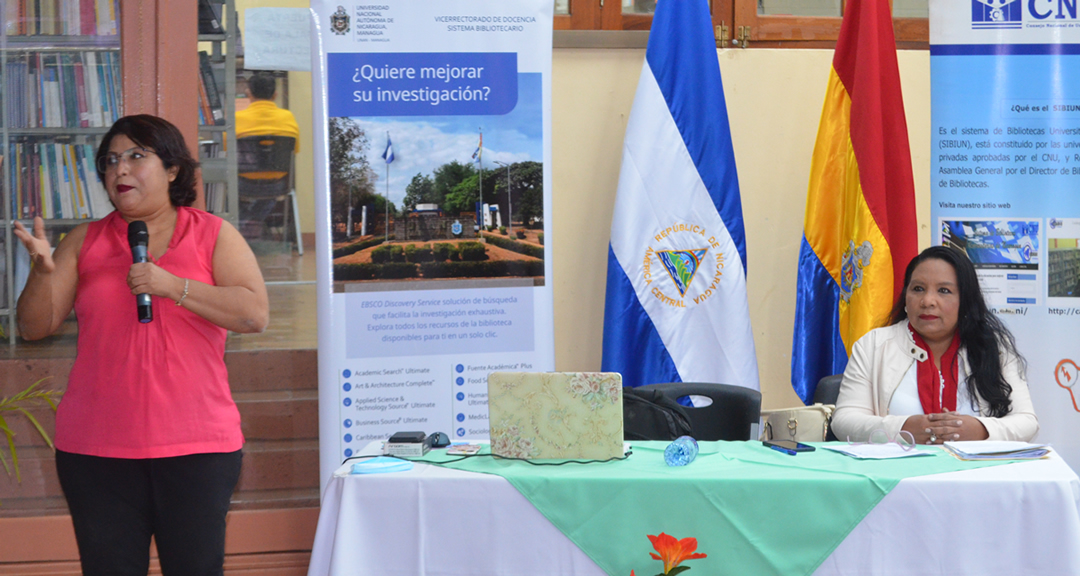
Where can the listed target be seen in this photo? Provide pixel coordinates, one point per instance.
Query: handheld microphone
(139, 239)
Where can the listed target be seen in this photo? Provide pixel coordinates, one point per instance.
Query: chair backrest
(733, 411)
(265, 165)
(653, 415)
(828, 389)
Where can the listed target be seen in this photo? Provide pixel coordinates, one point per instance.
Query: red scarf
(937, 386)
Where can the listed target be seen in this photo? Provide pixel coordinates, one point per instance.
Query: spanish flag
(860, 227)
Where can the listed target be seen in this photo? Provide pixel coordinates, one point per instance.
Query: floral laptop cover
(541, 415)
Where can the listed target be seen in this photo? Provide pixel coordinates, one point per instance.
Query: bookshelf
(1063, 274)
(61, 69)
(217, 128)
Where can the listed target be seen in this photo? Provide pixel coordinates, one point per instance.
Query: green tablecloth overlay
(753, 510)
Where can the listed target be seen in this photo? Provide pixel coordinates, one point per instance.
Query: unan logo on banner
(339, 21)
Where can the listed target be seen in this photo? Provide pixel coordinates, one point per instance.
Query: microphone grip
(146, 312)
(138, 254)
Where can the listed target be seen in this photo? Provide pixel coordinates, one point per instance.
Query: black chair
(265, 168)
(827, 391)
(733, 411)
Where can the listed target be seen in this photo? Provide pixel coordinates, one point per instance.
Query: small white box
(406, 449)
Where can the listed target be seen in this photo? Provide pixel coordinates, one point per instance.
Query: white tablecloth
(1009, 520)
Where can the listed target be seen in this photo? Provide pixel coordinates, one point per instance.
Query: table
(1012, 519)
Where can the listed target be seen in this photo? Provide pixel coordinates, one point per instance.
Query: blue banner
(421, 84)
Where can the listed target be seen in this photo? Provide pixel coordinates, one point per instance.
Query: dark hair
(166, 141)
(262, 85)
(982, 335)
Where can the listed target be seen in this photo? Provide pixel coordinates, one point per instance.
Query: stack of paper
(997, 450)
(875, 451)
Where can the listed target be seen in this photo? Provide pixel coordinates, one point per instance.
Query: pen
(784, 450)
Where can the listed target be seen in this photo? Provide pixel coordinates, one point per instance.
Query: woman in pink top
(147, 435)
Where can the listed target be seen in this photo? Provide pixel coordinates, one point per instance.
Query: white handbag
(802, 424)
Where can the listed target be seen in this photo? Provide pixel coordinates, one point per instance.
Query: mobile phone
(789, 445)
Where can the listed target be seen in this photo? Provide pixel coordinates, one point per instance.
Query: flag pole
(388, 156)
(480, 180)
(387, 231)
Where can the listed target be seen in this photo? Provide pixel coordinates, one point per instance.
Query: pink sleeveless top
(146, 390)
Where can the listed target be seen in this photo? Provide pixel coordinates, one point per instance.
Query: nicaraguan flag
(676, 307)
(388, 154)
(860, 230)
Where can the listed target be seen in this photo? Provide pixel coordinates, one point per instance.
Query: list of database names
(471, 395)
(377, 402)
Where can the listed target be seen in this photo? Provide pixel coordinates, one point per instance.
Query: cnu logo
(1009, 14)
(996, 14)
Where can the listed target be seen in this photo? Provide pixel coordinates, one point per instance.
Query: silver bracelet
(184, 295)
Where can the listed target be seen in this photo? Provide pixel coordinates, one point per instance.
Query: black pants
(117, 504)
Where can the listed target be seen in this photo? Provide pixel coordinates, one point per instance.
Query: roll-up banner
(433, 166)
(1005, 169)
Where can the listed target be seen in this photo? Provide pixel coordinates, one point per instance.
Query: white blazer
(878, 363)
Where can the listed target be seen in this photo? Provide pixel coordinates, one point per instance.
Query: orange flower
(673, 551)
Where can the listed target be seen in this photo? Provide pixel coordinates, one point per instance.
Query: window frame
(766, 31)
(608, 15)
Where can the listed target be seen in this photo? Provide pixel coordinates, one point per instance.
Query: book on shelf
(69, 89)
(214, 197)
(80, 94)
(210, 17)
(112, 84)
(56, 180)
(60, 17)
(206, 116)
(209, 148)
(93, 91)
(70, 96)
(87, 17)
(47, 17)
(213, 95)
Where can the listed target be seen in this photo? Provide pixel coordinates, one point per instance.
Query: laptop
(556, 415)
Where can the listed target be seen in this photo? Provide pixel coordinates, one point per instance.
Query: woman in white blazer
(945, 368)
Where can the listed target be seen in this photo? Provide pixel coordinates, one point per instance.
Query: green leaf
(677, 570)
(37, 426)
(14, 456)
